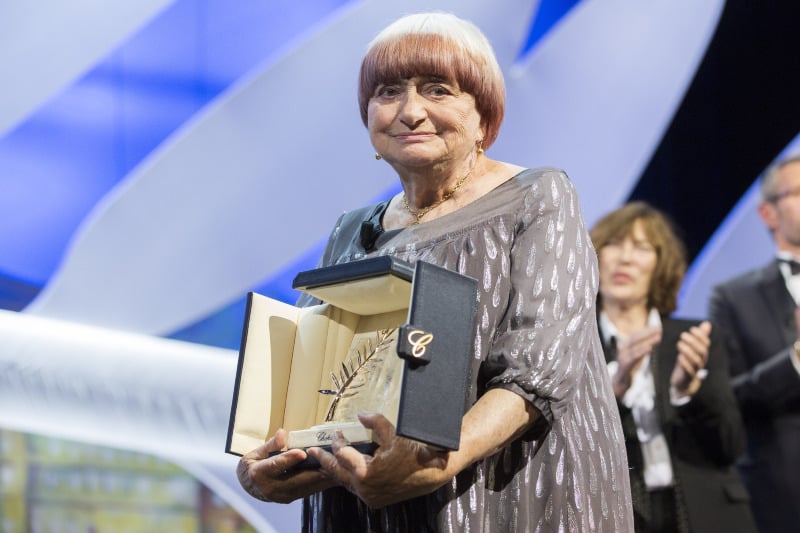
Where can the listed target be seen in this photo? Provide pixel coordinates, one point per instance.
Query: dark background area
(741, 110)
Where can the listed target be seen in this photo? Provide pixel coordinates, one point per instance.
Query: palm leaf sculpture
(355, 369)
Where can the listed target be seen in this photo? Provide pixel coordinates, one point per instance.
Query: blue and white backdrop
(160, 158)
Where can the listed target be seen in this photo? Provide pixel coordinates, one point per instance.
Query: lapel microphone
(370, 231)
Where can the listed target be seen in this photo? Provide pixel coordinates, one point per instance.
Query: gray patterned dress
(526, 244)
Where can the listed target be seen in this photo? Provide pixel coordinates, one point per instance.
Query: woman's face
(423, 121)
(626, 269)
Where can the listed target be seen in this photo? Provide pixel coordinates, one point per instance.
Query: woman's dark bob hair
(660, 232)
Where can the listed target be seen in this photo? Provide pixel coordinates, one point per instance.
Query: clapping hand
(630, 353)
(693, 348)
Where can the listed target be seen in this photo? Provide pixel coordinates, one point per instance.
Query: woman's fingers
(688, 365)
(277, 463)
(277, 442)
(343, 463)
(250, 461)
(268, 474)
(382, 430)
(276, 467)
(327, 461)
(638, 345)
(694, 345)
(692, 359)
(693, 349)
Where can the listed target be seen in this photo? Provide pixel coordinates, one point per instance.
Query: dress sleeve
(549, 328)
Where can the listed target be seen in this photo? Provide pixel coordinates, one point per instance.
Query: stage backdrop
(160, 158)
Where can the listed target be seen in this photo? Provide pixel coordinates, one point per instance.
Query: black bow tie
(794, 266)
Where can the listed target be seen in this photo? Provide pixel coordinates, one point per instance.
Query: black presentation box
(388, 337)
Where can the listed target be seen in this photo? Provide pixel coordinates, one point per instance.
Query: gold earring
(378, 156)
(480, 148)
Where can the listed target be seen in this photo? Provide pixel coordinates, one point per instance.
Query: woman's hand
(693, 347)
(400, 468)
(630, 353)
(403, 469)
(272, 479)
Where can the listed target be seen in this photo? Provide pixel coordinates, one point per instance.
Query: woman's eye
(438, 90)
(387, 91)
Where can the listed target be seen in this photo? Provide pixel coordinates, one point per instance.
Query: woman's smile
(414, 136)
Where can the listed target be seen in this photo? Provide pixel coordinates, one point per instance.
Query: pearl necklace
(419, 213)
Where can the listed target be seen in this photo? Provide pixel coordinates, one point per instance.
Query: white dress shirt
(640, 399)
(792, 285)
(792, 281)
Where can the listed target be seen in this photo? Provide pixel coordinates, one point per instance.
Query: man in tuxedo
(758, 314)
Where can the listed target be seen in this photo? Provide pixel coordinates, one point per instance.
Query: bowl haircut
(440, 46)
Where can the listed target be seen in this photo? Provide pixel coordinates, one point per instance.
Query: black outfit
(756, 312)
(705, 437)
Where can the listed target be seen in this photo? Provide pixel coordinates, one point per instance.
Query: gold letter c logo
(419, 340)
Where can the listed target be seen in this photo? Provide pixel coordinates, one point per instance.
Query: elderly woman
(683, 431)
(541, 445)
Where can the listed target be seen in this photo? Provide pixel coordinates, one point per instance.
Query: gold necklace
(419, 213)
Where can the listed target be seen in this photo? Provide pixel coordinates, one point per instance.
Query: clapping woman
(683, 430)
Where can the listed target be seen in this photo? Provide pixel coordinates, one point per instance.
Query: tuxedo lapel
(779, 301)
